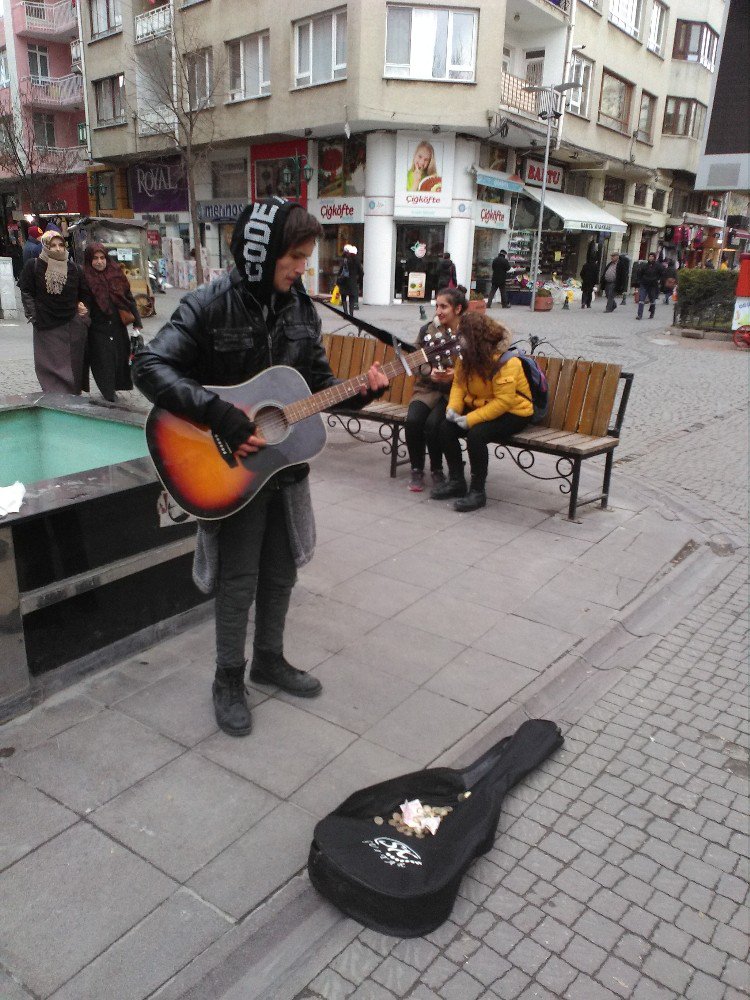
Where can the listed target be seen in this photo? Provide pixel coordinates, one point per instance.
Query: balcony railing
(75, 52)
(48, 18)
(153, 23)
(53, 92)
(156, 121)
(71, 159)
(512, 94)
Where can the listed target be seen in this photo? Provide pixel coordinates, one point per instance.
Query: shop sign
(378, 206)
(533, 172)
(158, 186)
(172, 217)
(588, 227)
(424, 175)
(488, 215)
(333, 211)
(220, 210)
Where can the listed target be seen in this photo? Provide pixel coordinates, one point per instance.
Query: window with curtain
(684, 116)
(425, 43)
(614, 190)
(646, 118)
(38, 63)
(320, 49)
(4, 74)
(249, 61)
(229, 179)
(639, 195)
(109, 95)
(695, 42)
(582, 71)
(106, 17)
(44, 130)
(657, 28)
(658, 200)
(200, 65)
(614, 102)
(626, 14)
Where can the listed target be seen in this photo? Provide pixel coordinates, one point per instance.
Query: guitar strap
(383, 335)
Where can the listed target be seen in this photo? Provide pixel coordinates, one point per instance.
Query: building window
(199, 67)
(657, 29)
(614, 102)
(429, 44)
(110, 100)
(626, 14)
(582, 71)
(658, 203)
(684, 116)
(341, 167)
(249, 66)
(320, 49)
(614, 190)
(645, 131)
(44, 130)
(695, 42)
(229, 179)
(4, 75)
(106, 17)
(639, 194)
(38, 63)
(577, 184)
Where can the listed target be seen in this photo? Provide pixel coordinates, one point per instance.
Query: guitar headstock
(441, 346)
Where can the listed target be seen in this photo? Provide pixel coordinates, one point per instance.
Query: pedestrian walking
(446, 272)
(33, 245)
(113, 309)
(348, 278)
(650, 277)
(669, 280)
(610, 282)
(589, 277)
(500, 268)
(55, 301)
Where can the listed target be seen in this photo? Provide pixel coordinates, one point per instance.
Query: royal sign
(534, 172)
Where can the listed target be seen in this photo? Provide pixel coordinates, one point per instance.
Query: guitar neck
(326, 398)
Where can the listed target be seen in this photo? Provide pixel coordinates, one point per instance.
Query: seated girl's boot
(454, 487)
(230, 702)
(474, 499)
(272, 668)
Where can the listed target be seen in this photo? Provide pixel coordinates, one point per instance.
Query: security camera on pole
(546, 114)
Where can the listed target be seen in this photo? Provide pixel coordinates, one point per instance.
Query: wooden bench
(587, 403)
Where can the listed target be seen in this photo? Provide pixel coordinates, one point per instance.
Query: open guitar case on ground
(407, 886)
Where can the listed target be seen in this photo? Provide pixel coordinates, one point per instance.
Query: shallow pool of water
(37, 444)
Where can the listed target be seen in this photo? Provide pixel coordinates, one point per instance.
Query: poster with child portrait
(424, 175)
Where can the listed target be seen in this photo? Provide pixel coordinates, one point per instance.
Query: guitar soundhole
(272, 424)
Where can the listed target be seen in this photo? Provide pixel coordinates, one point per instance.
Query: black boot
(272, 668)
(230, 704)
(474, 499)
(454, 487)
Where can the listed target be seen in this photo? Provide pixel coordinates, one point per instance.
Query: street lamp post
(546, 114)
(300, 168)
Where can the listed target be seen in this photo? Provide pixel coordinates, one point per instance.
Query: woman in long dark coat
(55, 301)
(111, 302)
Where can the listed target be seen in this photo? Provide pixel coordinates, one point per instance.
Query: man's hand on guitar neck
(377, 380)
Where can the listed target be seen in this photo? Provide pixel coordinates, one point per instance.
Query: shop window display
(341, 167)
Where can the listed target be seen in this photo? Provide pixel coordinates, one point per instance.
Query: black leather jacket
(219, 336)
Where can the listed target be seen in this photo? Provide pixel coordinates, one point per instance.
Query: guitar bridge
(224, 450)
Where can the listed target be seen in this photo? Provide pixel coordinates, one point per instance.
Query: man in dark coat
(500, 268)
(589, 277)
(224, 333)
(33, 245)
(649, 282)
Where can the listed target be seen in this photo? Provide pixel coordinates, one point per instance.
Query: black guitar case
(407, 886)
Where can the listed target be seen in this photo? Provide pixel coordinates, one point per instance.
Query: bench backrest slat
(552, 368)
(562, 390)
(577, 396)
(596, 378)
(606, 400)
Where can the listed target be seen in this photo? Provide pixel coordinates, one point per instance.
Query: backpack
(537, 382)
(406, 885)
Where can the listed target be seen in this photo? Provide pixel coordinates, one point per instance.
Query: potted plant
(543, 300)
(477, 302)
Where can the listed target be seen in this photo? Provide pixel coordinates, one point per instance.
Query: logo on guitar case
(394, 852)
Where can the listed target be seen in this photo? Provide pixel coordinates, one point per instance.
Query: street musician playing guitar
(229, 331)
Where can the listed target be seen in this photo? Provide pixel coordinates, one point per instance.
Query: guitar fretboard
(304, 408)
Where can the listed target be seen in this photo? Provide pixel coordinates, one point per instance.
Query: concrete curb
(290, 939)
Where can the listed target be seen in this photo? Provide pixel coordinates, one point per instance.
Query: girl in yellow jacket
(487, 404)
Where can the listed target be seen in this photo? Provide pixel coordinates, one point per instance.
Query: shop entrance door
(408, 236)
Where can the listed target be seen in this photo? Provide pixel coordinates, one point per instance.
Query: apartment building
(408, 126)
(42, 161)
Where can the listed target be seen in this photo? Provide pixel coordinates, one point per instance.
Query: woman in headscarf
(113, 308)
(55, 301)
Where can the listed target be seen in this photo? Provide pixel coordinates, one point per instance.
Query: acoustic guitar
(199, 470)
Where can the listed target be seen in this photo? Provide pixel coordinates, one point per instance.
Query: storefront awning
(498, 179)
(702, 220)
(578, 213)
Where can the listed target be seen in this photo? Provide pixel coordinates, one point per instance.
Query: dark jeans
(349, 297)
(586, 294)
(647, 292)
(503, 294)
(422, 428)
(478, 438)
(255, 563)
(609, 289)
